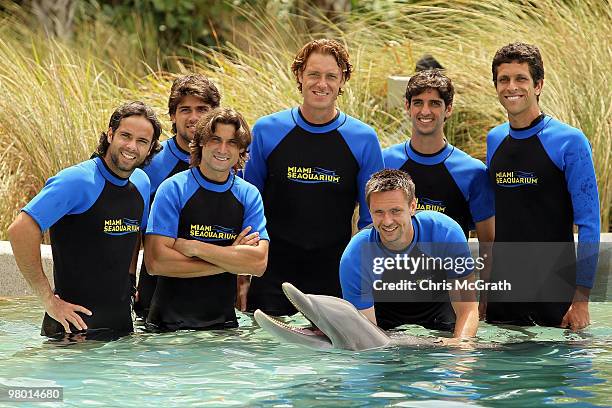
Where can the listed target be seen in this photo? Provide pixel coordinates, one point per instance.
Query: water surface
(246, 367)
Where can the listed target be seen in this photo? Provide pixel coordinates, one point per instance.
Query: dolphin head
(337, 324)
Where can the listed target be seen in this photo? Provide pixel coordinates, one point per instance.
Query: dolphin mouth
(310, 337)
(306, 331)
(307, 336)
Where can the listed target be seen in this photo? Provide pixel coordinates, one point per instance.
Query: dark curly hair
(519, 52)
(135, 108)
(323, 46)
(430, 79)
(196, 85)
(205, 129)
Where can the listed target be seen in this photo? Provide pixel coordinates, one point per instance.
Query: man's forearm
(581, 294)
(466, 324)
(162, 260)
(134, 263)
(486, 235)
(466, 310)
(25, 237)
(238, 259)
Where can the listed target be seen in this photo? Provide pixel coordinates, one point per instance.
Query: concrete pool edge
(12, 283)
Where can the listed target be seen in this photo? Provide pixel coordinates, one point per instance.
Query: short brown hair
(323, 46)
(205, 129)
(519, 52)
(196, 85)
(430, 79)
(135, 108)
(390, 180)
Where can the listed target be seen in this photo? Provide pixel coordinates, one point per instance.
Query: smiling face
(428, 112)
(129, 145)
(220, 152)
(188, 111)
(321, 81)
(392, 218)
(517, 93)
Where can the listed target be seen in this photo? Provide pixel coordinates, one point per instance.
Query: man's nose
(194, 116)
(132, 145)
(223, 146)
(387, 219)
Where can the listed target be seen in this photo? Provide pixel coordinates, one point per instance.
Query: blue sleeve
(267, 134)
(161, 165)
(395, 157)
(356, 288)
(443, 237)
(166, 209)
(569, 149)
(472, 178)
(143, 185)
(494, 139)
(72, 191)
(364, 145)
(253, 209)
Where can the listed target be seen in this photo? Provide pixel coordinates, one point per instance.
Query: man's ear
(449, 111)
(300, 78)
(109, 135)
(538, 87)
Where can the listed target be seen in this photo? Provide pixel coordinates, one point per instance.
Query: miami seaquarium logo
(510, 179)
(424, 203)
(210, 233)
(121, 226)
(311, 175)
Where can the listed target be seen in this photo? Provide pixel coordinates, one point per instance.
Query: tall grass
(56, 98)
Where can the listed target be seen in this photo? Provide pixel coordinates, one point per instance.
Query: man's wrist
(581, 294)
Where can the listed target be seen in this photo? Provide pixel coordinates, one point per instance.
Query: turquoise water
(246, 367)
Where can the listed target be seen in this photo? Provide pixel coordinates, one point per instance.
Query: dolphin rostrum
(339, 325)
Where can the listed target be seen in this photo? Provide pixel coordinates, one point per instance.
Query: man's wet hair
(390, 180)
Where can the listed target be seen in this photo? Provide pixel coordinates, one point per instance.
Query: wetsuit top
(190, 206)
(449, 181)
(310, 176)
(435, 236)
(544, 183)
(171, 160)
(94, 218)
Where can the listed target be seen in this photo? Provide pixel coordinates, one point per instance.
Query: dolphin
(338, 325)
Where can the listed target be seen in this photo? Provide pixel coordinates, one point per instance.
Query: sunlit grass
(55, 98)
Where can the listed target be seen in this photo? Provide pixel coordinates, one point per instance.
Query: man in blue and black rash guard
(379, 278)
(191, 96)
(197, 238)
(544, 181)
(447, 179)
(94, 212)
(311, 164)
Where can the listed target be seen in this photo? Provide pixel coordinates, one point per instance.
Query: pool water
(247, 367)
